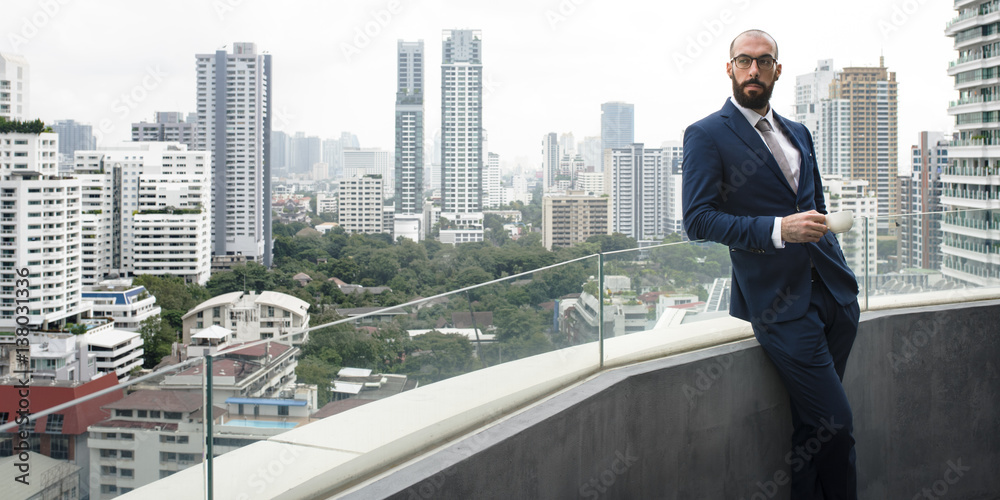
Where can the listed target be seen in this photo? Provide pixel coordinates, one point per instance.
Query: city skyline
(333, 77)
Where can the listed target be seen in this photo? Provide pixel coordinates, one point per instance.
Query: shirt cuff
(776, 234)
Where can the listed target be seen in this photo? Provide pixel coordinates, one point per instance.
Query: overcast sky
(548, 64)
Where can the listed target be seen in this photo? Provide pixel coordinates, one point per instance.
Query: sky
(548, 64)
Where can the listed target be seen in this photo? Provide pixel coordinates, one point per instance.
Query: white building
(250, 316)
(409, 158)
(972, 180)
(360, 204)
(40, 226)
(550, 160)
(14, 86)
(673, 156)
(462, 136)
(81, 357)
(116, 351)
(145, 211)
(326, 203)
(828, 119)
(128, 306)
(590, 149)
(860, 244)
(492, 187)
(638, 182)
(362, 162)
(237, 135)
(590, 182)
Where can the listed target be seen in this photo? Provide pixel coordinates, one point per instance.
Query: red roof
(132, 424)
(689, 305)
(179, 401)
(76, 418)
(275, 349)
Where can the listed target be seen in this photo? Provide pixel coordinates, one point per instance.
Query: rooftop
(179, 401)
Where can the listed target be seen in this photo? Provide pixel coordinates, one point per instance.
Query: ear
(777, 71)
(729, 69)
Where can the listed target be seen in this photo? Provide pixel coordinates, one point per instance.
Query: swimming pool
(265, 424)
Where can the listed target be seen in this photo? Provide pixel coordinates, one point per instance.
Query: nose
(753, 70)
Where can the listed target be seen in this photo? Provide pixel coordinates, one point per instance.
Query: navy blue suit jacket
(732, 190)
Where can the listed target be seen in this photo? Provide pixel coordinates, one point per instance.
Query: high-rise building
(828, 119)
(920, 193)
(14, 80)
(590, 149)
(279, 155)
(617, 125)
(573, 217)
(359, 204)
(550, 160)
(972, 238)
(234, 126)
(860, 244)
(304, 152)
(168, 126)
(673, 154)
(810, 89)
(567, 144)
(638, 182)
(462, 153)
(492, 186)
(871, 92)
(73, 137)
(408, 194)
(40, 240)
(145, 211)
(369, 161)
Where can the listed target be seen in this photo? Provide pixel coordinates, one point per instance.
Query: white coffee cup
(840, 222)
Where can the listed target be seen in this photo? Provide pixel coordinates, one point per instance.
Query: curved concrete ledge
(331, 455)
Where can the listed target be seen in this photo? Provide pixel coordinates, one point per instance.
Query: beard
(757, 102)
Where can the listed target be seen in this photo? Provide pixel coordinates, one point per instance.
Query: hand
(803, 227)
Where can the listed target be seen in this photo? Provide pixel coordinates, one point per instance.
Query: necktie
(771, 138)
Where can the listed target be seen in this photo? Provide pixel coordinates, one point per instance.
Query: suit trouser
(810, 354)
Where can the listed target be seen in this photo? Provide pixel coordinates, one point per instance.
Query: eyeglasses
(763, 62)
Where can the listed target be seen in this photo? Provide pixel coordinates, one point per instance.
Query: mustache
(752, 82)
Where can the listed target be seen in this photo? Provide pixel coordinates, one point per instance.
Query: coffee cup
(840, 222)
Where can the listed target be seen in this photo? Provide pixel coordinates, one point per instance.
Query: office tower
(279, 156)
(409, 168)
(871, 93)
(14, 86)
(860, 244)
(920, 193)
(167, 126)
(567, 144)
(234, 126)
(492, 186)
(73, 136)
(550, 160)
(359, 204)
(462, 154)
(573, 217)
(333, 156)
(810, 89)
(40, 222)
(617, 126)
(304, 152)
(638, 182)
(971, 244)
(828, 119)
(145, 211)
(590, 149)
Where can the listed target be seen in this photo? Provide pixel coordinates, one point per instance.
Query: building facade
(920, 236)
(462, 153)
(234, 127)
(550, 160)
(638, 182)
(860, 244)
(73, 137)
(617, 125)
(14, 87)
(359, 204)
(250, 316)
(128, 306)
(145, 211)
(167, 126)
(573, 217)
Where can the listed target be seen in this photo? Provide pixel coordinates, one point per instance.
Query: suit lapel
(799, 144)
(756, 147)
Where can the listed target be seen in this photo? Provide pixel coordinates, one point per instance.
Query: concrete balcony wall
(714, 423)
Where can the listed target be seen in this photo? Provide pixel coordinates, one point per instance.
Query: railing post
(600, 306)
(208, 415)
(868, 279)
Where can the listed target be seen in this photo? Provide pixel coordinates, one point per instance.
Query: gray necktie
(771, 138)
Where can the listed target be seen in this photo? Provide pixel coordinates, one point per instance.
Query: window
(141, 413)
(185, 458)
(154, 413)
(123, 413)
(168, 456)
(126, 472)
(54, 423)
(126, 454)
(167, 439)
(182, 439)
(3, 417)
(283, 410)
(128, 436)
(109, 470)
(105, 453)
(172, 415)
(59, 447)
(165, 473)
(108, 488)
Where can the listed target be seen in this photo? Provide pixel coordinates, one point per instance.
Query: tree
(157, 340)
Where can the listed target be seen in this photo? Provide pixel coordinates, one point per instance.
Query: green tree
(157, 340)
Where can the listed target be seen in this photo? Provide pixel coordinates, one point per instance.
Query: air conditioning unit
(156, 428)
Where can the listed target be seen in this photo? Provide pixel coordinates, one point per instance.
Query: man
(751, 182)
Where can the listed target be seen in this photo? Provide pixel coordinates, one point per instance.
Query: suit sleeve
(704, 193)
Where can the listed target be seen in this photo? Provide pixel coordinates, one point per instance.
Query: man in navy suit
(751, 182)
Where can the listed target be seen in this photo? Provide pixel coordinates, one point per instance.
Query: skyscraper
(638, 183)
(73, 137)
(409, 169)
(168, 126)
(920, 193)
(617, 126)
(462, 152)
(234, 125)
(871, 93)
(14, 80)
(550, 160)
(971, 246)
